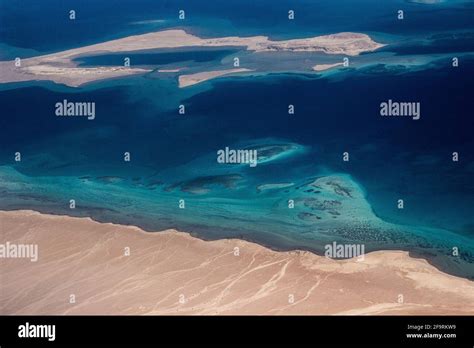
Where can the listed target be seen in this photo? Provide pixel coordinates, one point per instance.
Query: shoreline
(279, 243)
(216, 284)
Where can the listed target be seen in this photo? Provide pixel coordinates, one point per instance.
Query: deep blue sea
(174, 156)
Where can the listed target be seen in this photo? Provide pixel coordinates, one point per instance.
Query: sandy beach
(171, 272)
(60, 67)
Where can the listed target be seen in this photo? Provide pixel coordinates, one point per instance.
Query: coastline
(75, 253)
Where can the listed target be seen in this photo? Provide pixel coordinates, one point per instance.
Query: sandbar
(192, 79)
(322, 67)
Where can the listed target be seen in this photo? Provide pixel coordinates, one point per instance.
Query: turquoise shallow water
(174, 156)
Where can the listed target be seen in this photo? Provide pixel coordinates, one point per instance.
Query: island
(60, 67)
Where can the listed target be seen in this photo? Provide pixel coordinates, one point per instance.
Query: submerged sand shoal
(172, 272)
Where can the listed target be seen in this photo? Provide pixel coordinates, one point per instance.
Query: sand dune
(172, 272)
